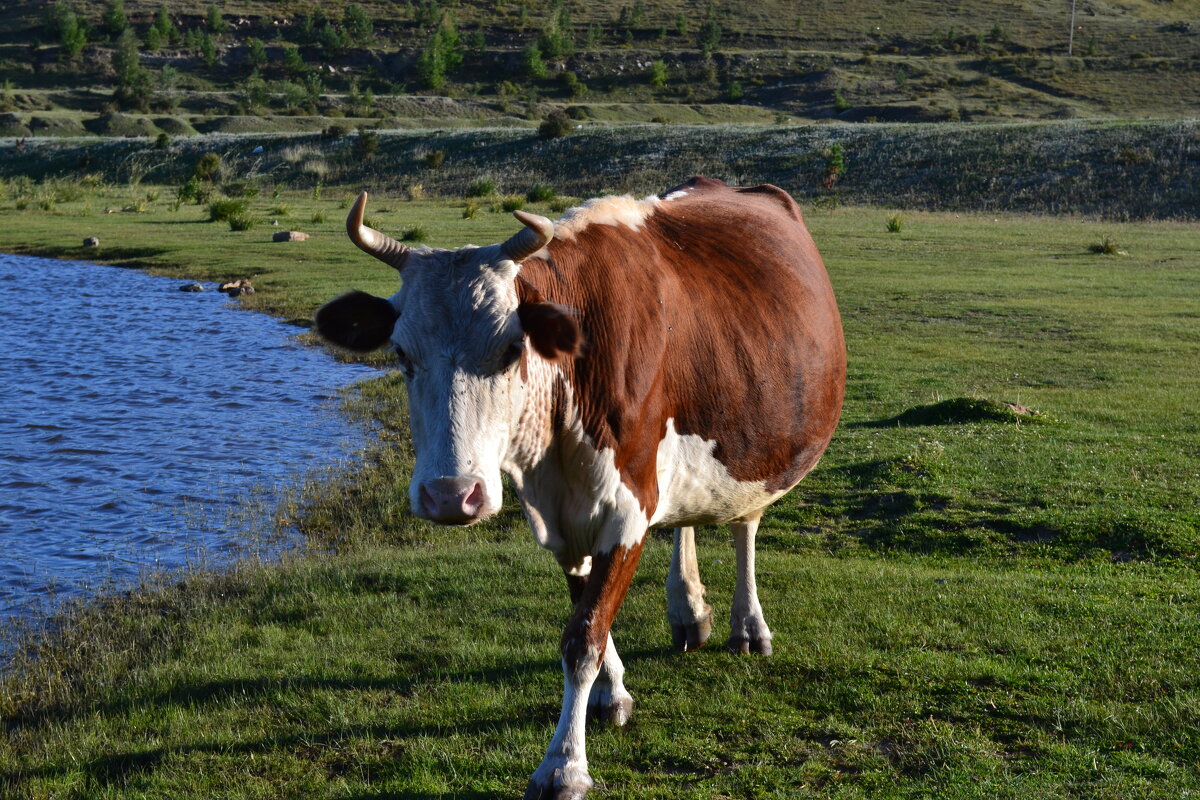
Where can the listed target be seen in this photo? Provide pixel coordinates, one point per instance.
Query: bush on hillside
(557, 124)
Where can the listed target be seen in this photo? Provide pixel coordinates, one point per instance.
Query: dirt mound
(117, 124)
(961, 410)
(56, 126)
(12, 125)
(174, 126)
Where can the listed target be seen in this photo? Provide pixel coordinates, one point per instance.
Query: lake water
(136, 420)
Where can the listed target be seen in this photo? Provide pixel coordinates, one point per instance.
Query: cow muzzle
(454, 501)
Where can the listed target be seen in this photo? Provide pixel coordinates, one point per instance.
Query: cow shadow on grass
(117, 769)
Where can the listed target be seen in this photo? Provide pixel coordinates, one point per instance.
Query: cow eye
(512, 354)
(405, 362)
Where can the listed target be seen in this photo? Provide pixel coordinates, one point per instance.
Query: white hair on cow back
(616, 210)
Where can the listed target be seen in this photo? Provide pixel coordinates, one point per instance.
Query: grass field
(967, 603)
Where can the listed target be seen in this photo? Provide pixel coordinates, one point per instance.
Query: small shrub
(416, 233)
(470, 209)
(736, 92)
(556, 125)
(540, 193)
(660, 119)
(240, 188)
(1107, 248)
(895, 224)
(840, 103)
(241, 222)
(280, 210)
(208, 167)
(163, 141)
(335, 131)
(318, 217)
(366, 143)
(656, 74)
(221, 210)
(512, 202)
(415, 191)
(560, 204)
(482, 187)
(435, 159)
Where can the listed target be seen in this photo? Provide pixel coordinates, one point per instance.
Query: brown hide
(718, 313)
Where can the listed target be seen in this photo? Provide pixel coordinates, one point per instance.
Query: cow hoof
(745, 645)
(608, 708)
(537, 791)
(612, 711)
(691, 635)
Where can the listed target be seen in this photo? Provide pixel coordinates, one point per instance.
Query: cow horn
(369, 240)
(536, 234)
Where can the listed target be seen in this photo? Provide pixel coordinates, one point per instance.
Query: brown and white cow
(665, 362)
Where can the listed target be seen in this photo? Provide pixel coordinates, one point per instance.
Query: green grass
(967, 602)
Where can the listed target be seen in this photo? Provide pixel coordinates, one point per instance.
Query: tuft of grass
(416, 233)
(221, 210)
(318, 217)
(241, 222)
(540, 193)
(511, 202)
(1107, 247)
(280, 210)
(482, 187)
(895, 224)
(470, 209)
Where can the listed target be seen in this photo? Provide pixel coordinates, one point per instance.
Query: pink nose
(453, 501)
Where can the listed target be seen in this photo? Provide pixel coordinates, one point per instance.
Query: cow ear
(552, 329)
(357, 321)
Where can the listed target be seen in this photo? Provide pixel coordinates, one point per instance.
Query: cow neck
(610, 383)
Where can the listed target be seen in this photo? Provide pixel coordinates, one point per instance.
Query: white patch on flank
(694, 488)
(624, 210)
(675, 195)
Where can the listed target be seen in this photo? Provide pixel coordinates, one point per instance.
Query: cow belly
(694, 488)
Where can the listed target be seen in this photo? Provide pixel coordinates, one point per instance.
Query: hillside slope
(910, 60)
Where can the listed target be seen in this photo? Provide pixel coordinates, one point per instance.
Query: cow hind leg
(689, 616)
(748, 629)
(610, 701)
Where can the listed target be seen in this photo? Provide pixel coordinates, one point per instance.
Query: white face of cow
(459, 341)
(459, 331)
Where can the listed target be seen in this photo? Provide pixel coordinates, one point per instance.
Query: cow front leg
(563, 773)
(689, 616)
(609, 700)
(748, 629)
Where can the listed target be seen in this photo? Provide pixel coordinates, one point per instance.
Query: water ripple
(133, 416)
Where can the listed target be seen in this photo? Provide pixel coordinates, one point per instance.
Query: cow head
(460, 333)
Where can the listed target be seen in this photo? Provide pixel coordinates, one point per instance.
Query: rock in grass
(91, 241)
(191, 287)
(289, 236)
